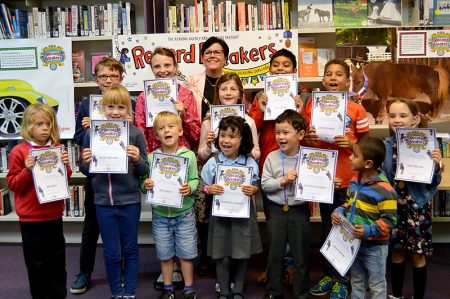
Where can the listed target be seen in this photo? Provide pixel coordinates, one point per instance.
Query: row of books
(441, 204)
(444, 144)
(74, 206)
(204, 16)
(76, 20)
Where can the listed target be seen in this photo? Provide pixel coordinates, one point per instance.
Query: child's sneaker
(167, 294)
(339, 291)
(322, 287)
(189, 294)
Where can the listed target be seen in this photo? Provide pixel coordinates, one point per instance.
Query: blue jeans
(119, 231)
(370, 266)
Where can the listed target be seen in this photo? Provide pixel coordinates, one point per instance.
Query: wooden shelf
(445, 183)
(441, 219)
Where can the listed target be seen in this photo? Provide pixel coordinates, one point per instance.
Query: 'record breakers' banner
(249, 57)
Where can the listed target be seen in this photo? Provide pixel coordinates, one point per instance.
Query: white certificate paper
(95, 107)
(168, 172)
(109, 139)
(316, 171)
(280, 91)
(341, 247)
(233, 202)
(414, 150)
(217, 112)
(160, 95)
(49, 174)
(328, 114)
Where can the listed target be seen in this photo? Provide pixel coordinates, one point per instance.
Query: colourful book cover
(384, 13)
(95, 58)
(78, 66)
(307, 57)
(348, 14)
(315, 13)
(441, 12)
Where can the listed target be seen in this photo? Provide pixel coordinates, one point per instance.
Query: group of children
(366, 193)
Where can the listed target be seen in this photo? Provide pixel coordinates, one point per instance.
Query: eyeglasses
(105, 77)
(215, 53)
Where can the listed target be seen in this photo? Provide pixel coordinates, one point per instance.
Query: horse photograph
(320, 13)
(376, 82)
(304, 14)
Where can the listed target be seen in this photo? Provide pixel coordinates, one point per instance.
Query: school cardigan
(20, 181)
(374, 205)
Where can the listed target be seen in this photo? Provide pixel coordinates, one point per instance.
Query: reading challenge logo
(328, 104)
(279, 86)
(440, 43)
(159, 90)
(53, 56)
(108, 132)
(222, 113)
(168, 166)
(317, 162)
(415, 140)
(232, 177)
(47, 161)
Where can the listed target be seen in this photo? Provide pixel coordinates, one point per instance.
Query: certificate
(328, 114)
(49, 174)
(217, 112)
(233, 202)
(414, 150)
(160, 95)
(168, 172)
(316, 171)
(341, 247)
(280, 91)
(109, 139)
(95, 107)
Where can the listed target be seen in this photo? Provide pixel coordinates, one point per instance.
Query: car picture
(15, 97)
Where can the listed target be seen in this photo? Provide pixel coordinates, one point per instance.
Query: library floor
(14, 282)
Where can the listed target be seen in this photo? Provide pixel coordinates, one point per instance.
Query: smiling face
(401, 117)
(168, 132)
(282, 65)
(229, 93)
(41, 129)
(115, 111)
(107, 77)
(213, 59)
(229, 143)
(335, 78)
(163, 66)
(288, 138)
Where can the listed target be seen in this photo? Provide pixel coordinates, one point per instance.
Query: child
(228, 91)
(412, 236)
(108, 71)
(164, 65)
(372, 208)
(118, 200)
(289, 219)
(40, 224)
(174, 228)
(231, 241)
(337, 78)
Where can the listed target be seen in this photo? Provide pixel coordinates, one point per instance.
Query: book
(5, 202)
(315, 13)
(95, 58)
(441, 12)
(78, 66)
(307, 57)
(348, 14)
(383, 13)
(323, 56)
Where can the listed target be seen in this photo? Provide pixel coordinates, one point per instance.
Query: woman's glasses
(215, 53)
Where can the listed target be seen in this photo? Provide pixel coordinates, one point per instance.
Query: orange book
(242, 20)
(307, 57)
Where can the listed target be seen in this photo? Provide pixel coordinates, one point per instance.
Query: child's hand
(262, 102)
(337, 183)
(86, 122)
(129, 118)
(180, 107)
(149, 184)
(215, 189)
(249, 190)
(64, 157)
(298, 103)
(30, 161)
(210, 138)
(289, 178)
(185, 189)
(344, 141)
(335, 218)
(358, 231)
(437, 157)
(311, 136)
(133, 153)
(87, 155)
